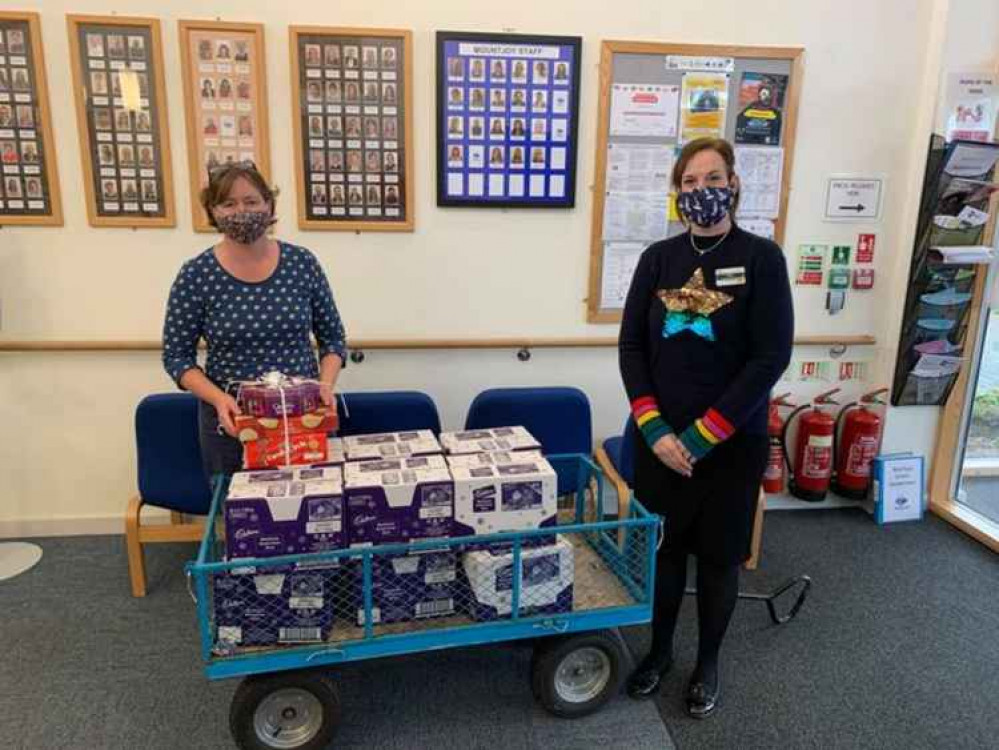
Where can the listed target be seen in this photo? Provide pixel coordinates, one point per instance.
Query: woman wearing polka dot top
(255, 301)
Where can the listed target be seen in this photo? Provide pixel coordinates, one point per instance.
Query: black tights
(717, 591)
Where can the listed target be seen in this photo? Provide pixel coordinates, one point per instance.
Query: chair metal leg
(136, 561)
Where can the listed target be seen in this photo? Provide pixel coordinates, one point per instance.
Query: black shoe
(646, 680)
(702, 699)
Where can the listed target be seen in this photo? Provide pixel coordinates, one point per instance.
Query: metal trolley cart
(564, 587)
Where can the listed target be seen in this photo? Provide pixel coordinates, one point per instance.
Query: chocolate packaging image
(320, 420)
(409, 587)
(267, 515)
(391, 445)
(397, 500)
(261, 608)
(276, 395)
(519, 496)
(489, 440)
(546, 583)
(276, 449)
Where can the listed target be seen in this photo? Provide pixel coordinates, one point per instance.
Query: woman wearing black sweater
(707, 331)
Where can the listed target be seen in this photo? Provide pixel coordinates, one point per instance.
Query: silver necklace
(699, 251)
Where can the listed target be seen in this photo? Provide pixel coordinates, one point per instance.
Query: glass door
(978, 475)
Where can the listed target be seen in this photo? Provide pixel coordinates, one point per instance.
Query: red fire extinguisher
(812, 469)
(857, 445)
(773, 477)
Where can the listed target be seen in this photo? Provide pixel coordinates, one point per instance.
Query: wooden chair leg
(757, 539)
(621, 488)
(136, 561)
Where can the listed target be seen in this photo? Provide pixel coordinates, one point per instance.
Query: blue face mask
(705, 206)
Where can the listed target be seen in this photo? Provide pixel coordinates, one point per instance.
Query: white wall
(871, 71)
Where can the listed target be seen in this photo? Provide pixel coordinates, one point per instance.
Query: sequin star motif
(688, 308)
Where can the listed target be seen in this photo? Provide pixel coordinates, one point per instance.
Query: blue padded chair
(558, 417)
(620, 450)
(170, 476)
(364, 413)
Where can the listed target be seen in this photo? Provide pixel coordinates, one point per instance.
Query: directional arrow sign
(854, 198)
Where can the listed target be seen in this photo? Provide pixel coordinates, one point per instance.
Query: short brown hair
(721, 147)
(221, 180)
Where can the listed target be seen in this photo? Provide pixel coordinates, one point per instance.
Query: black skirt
(710, 514)
(220, 452)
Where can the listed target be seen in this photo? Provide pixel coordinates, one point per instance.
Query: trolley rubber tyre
(573, 676)
(285, 711)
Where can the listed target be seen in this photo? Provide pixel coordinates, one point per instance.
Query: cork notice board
(653, 99)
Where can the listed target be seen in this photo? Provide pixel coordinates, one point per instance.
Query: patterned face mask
(245, 227)
(705, 206)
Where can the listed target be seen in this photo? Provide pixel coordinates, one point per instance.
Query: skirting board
(788, 502)
(31, 528)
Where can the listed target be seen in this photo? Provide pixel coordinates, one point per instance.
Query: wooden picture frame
(124, 145)
(29, 190)
(792, 57)
(362, 178)
(507, 119)
(225, 101)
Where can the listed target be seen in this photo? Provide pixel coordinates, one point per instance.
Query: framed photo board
(121, 115)
(29, 179)
(507, 119)
(352, 116)
(225, 92)
(654, 98)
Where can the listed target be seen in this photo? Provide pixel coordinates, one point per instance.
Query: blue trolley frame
(637, 576)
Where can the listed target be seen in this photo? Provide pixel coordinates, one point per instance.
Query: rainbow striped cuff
(649, 420)
(705, 433)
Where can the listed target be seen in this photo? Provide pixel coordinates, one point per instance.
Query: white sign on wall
(854, 198)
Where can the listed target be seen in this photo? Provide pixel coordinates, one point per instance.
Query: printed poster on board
(703, 104)
(761, 105)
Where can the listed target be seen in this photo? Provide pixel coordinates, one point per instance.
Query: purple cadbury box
(283, 518)
(299, 397)
(398, 500)
(409, 587)
(264, 608)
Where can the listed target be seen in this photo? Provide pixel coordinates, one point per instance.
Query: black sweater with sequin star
(699, 353)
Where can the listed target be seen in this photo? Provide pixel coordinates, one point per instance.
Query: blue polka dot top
(251, 328)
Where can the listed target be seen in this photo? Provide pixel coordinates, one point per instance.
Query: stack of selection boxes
(503, 484)
(391, 489)
(270, 513)
(398, 490)
(283, 423)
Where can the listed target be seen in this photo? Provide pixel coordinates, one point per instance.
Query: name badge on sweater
(734, 276)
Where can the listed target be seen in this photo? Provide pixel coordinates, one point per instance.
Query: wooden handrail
(372, 344)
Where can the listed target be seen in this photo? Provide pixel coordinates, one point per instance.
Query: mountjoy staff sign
(850, 198)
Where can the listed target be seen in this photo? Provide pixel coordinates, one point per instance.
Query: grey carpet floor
(87, 667)
(897, 645)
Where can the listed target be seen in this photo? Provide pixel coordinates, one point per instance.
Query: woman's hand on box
(227, 409)
(327, 396)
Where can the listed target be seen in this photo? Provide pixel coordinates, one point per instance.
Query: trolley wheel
(575, 675)
(286, 711)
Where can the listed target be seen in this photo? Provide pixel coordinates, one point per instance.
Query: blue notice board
(507, 119)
